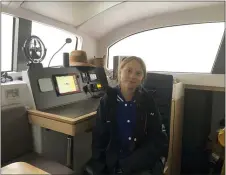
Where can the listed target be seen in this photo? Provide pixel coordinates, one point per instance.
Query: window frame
(218, 51)
(167, 26)
(13, 40)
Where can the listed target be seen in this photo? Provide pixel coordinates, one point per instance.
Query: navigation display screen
(66, 84)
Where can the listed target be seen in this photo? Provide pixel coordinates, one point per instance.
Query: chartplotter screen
(66, 84)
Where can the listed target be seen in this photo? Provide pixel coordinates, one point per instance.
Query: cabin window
(53, 39)
(185, 48)
(6, 42)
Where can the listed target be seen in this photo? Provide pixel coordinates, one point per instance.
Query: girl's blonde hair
(126, 60)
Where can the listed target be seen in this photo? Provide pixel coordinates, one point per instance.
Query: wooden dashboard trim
(63, 127)
(60, 118)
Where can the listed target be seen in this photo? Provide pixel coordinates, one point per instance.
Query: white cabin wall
(198, 15)
(89, 44)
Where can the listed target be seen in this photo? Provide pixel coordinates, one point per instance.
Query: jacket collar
(112, 92)
(120, 97)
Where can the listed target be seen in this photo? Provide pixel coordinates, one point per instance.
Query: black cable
(90, 93)
(56, 53)
(88, 90)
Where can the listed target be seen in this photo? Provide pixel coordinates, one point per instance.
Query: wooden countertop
(60, 118)
(21, 168)
(71, 113)
(63, 124)
(76, 109)
(204, 87)
(69, 119)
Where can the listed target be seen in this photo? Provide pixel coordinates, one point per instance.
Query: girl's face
(131, 75)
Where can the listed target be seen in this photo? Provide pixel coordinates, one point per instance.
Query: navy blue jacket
(126, 121)
(151, 142)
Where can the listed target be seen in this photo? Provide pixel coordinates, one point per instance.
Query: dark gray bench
(17, 142)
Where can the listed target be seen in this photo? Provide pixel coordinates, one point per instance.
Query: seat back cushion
(16, 134)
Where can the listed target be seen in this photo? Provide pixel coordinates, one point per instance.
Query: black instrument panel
(52, 87)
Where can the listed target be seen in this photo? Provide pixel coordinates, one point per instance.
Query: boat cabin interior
(58, 59)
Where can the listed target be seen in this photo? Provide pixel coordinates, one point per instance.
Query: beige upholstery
(49, 166)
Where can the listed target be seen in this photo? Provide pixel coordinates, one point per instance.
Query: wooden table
(21, 168)
(70, 119)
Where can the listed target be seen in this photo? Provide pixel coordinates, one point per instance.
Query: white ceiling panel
(74, 13)
(61, 11)
(97, 18)
(3, 2)
(83, 11)
(128, 12)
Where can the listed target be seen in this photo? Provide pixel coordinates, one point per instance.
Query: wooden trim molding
(62, 127)
(203, 87)
(65, 119)
(54, 125)
(62, 124)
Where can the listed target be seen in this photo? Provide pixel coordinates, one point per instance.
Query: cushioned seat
(44, 164)
(17, 142)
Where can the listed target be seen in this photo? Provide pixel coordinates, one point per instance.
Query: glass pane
(53, 40)
(185, 48)
(6, 42)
